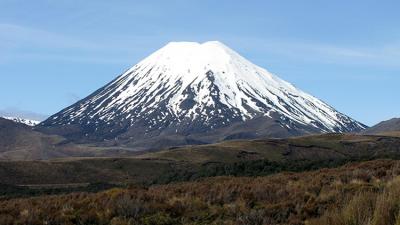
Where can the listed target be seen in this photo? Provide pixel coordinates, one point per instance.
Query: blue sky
(346, 53)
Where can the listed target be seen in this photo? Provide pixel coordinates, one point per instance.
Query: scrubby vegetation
(252, 168)
(357, 193)
(8, 191)
(234, 158)
(370, 207)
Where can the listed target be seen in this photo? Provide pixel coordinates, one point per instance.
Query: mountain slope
(190, 93)
(389, 126)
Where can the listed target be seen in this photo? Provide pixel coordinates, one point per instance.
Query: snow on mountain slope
(22, 120)
(188, 87)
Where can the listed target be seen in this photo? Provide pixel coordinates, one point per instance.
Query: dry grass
(391, 133)
(361, 193)
(381, 207)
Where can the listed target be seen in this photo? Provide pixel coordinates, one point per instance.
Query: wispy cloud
(24, 43)
(20, 36)
(20, 42)
(72, 97)
(382, 55)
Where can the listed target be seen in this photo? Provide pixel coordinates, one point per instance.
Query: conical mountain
(187, 93)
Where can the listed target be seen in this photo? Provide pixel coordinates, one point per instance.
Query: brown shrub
(327, 197)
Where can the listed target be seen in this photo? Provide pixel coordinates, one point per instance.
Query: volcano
(195, 93)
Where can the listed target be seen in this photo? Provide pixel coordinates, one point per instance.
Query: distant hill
(391, 126)
(28, 122)
(21, 142)
(24, 114)
(311, 148)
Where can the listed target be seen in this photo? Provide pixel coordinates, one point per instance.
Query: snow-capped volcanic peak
(22, 120)
(206, 84)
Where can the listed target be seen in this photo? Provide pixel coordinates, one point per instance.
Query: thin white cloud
(20, 42)
(20, 36)
(78, 58)
(25, 43)
(379, 55)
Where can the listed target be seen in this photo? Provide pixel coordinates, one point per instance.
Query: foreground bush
(374, 208)
(361, 193)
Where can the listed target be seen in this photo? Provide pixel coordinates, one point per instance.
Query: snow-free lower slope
(186, 88)
(384, 127)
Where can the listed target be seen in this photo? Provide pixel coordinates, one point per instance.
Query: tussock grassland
(357, 193)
